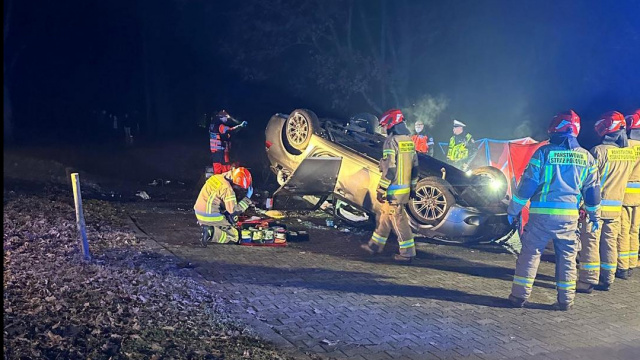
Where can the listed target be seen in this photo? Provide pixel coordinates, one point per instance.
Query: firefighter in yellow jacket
(599, 255)
(628, 242)
(217, 209)
(399, 167)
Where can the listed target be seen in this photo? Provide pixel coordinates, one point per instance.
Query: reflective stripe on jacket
(218, 137)
(459, 147)
(556, 179)
(632, 192)
(399, 167)
(215, 144)
(615, 165)
(216, 197)
(423, 143)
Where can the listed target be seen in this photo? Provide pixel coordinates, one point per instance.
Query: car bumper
(464, 225)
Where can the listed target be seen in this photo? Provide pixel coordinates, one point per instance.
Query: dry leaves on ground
(126, 303)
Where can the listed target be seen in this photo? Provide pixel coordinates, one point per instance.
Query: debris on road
(330, 342)
(143, 194)
(157, 182)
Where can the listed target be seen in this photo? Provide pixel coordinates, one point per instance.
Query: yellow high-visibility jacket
(615, 165)
(217, 196)
(399, 167)
(632, 192)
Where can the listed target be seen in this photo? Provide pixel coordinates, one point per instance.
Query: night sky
(498, 64)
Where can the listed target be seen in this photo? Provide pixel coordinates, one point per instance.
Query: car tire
(370, 120)
(433, 203)
(490, 200)
(297, 130)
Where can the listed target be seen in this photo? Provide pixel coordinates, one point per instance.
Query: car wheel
(367, 121)
(433, 202)
(298, 128)
(488, 190)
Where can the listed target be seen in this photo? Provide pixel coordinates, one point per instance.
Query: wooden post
(77, 197)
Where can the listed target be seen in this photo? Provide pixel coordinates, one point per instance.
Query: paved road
(325, 297)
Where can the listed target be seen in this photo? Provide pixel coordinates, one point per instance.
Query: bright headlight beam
(495, 184)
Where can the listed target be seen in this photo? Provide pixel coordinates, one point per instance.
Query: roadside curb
(259, 328)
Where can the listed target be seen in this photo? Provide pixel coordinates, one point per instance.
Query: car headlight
(495, 184)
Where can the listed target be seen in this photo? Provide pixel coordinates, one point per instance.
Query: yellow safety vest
(457, 152)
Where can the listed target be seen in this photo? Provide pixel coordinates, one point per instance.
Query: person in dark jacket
(556, 178)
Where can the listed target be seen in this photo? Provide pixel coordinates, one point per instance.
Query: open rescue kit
(263, 232)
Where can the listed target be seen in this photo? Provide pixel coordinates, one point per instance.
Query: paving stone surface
(326, 297)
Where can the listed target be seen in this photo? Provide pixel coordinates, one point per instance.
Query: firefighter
(630, 217)
(217, 209)
(399, 167)
(220, 130)
(598, 257)
(423, 143)
(462, 147)
(558, 175)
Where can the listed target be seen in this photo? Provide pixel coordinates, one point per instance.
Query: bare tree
(352, 50)
(6, 101)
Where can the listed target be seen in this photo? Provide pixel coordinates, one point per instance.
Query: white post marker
(77, 197)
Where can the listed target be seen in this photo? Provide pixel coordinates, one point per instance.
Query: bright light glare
(495, 184)
(469, 172)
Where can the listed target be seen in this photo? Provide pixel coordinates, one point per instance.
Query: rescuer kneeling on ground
(217, 209)
(599, 254)
(399, 167)
(557, 176)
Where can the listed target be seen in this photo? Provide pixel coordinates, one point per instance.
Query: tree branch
(7, 20)
(371, 103)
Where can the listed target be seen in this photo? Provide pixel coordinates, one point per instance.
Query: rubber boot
(622, 274)
(584, 288)
(402, 259)
(603, 286)
(517, 302)
(562, 306)
(367, 248)
(207, 234)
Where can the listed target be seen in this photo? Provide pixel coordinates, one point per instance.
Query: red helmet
(609, 123)
(391, 118)
(567, 121)
(633, 120)
(241, 177)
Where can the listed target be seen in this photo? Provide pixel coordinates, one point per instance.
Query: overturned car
(316, 159)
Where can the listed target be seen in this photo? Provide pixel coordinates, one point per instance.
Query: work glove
(511, 219)
(381, 196)
(595, 225)
(243, 124)
(247, 200)
(250, 192)
(583, 214)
